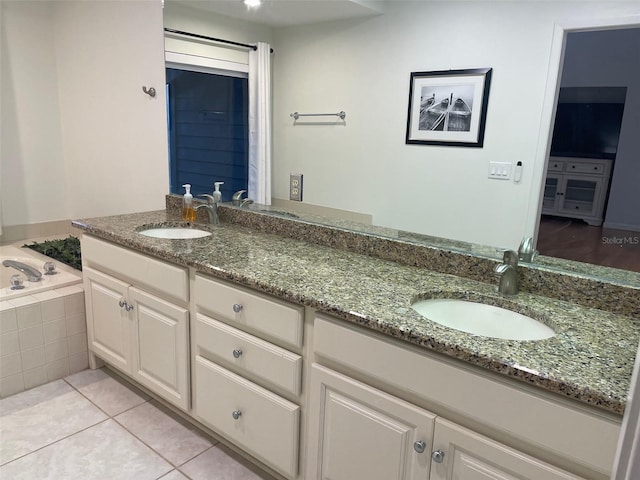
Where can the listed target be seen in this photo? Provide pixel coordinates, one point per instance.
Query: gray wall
(611, 58)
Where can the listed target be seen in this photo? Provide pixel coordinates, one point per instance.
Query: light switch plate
(500, 170)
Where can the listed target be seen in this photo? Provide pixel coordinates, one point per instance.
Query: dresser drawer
(262, 423)
(555, 166)
(269, 317)
(248, 354)
(582, 167)
(141, 270)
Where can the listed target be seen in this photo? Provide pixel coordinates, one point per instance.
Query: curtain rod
(220, 40)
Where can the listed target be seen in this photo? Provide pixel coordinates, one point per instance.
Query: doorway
(616, 242)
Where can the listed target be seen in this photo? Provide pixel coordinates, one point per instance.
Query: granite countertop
(590, 359)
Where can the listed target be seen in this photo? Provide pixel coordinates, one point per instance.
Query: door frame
(552, 90)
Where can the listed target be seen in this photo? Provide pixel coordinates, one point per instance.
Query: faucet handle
(209, 198)
(510, 257)
(236, 198)
(526, 252)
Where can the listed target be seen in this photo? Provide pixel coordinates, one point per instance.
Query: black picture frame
(448, 107)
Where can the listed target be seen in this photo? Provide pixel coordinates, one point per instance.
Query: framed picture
(448, 107)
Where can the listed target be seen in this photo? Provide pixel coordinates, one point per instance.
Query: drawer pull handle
(419, 446)
(237, 353)
(237, 307)
(236, 414)
(438, 456)
(123, 304)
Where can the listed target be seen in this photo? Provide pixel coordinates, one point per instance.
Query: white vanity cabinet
(462, 454)
(359, 432)
(247, 380)
(141, 334)
(362, 383)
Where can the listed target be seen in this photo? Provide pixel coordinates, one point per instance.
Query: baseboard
(621, 226)
(34, 231)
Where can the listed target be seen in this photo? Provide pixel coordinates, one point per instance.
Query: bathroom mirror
(324, 174)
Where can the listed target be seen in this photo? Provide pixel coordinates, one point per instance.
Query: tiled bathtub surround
(44, 337)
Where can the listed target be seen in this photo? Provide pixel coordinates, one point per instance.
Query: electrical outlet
(295, 187)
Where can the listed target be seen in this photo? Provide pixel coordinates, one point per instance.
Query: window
(208, 131)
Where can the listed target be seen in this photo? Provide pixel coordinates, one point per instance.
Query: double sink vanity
(307, 348)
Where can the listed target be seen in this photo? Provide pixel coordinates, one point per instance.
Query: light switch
(500, 170)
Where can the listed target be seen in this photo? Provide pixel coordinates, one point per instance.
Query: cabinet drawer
(268, 317)
(249, 354)
(558, 427)
(555, 166)
(267, 426)
(581, 167)
(155, 275)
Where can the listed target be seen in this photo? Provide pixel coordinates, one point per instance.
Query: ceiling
(287, 13)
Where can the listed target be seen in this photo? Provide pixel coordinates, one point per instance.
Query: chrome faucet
(211, 207)
(238, 201)
(526, 252)
(507, 272)
(32, 274)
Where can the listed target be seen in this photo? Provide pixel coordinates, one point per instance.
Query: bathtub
(42, 326)
(65, 276)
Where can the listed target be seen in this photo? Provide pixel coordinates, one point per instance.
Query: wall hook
(151, 91)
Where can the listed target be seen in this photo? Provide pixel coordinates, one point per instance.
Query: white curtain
(260, 124)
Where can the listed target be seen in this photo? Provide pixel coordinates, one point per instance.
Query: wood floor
(575, 240)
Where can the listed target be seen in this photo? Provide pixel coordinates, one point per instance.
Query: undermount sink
(482, 319)
(174, 233)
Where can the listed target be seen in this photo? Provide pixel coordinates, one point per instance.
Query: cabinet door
(581, 196)
(359, 433)
(552, 193)
(461, 454)
(160, 352)
(108, 323)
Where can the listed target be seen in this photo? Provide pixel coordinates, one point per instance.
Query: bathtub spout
(32, 274)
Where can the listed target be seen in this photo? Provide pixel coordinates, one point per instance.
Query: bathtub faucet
(32, 274)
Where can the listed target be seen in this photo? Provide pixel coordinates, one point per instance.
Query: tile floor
(92, 425)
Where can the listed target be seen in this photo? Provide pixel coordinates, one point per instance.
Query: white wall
(33, 183)
(202, 22)
(79, 137)
(114, 135)
(612, 58)
(363, 68)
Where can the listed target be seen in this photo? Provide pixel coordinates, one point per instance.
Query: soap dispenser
(188, 213)
(217, 194)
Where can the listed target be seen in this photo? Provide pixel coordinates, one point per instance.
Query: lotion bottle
(188, 213)
(217, 194)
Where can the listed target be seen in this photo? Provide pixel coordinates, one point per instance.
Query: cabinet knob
(237, 353)
(122, 303)
(419, 446)
(236, 414)
(437, 456)
(237, 307)
(128, 307)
